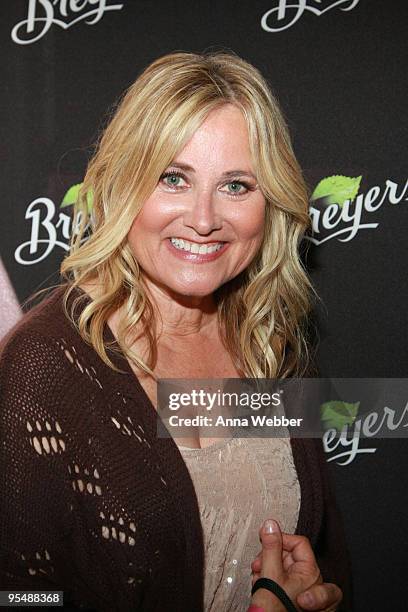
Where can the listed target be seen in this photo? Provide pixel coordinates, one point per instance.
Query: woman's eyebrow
(229, 174)
(234, 173)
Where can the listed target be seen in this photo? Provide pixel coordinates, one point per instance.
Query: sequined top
(239, 483)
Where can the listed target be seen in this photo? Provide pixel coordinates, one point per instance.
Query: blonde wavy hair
(262, 313)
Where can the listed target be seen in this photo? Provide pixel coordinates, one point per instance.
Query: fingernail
(308, 598)
(270, 526)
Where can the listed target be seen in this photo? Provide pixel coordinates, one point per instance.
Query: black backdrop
(339, 71)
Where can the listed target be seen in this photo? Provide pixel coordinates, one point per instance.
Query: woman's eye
(235, 188)
(173, 180)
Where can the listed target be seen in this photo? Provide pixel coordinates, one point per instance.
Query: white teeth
(193, 247)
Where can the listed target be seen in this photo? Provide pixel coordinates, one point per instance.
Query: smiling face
(203, 223)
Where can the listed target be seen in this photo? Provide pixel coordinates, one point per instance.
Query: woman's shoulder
(44, 360)
(43, 320)
(42, 333)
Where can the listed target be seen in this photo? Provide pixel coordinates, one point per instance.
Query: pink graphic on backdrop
(10, 310)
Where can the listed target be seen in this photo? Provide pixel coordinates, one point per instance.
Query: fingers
(299, 547)
(286, 558)
(283, 554)
(287, 561)
(271, 538)
(325, 596)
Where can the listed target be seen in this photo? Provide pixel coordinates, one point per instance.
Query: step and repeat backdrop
(339, 70)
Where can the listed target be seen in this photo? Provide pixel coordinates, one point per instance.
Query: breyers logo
(46, 232)
(285, 14)
(42, 14)
(337, 210)
(343, 418)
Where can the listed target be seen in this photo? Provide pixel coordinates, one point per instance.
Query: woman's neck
(180, 316)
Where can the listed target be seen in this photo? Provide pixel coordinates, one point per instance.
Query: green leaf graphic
(71, 197)
(336, 414)
(337, 189)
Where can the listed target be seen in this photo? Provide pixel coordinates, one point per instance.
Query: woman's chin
(187, 286)
(195, 292)
(191, 290)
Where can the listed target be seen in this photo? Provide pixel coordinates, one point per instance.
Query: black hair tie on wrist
(271, 585)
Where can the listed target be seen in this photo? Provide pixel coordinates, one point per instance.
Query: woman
(198, 208)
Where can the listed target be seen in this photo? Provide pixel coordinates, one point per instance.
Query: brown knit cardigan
(92, 502)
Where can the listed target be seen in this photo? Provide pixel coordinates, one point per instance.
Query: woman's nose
(202, 214)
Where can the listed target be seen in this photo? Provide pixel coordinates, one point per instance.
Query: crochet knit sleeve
(34, 485)
(57, 505)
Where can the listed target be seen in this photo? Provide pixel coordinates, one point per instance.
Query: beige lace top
(239, 483)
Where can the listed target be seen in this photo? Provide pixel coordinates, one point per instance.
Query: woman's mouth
(194, 247)
(194, 251)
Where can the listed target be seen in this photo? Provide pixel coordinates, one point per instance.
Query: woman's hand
(289, 560)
